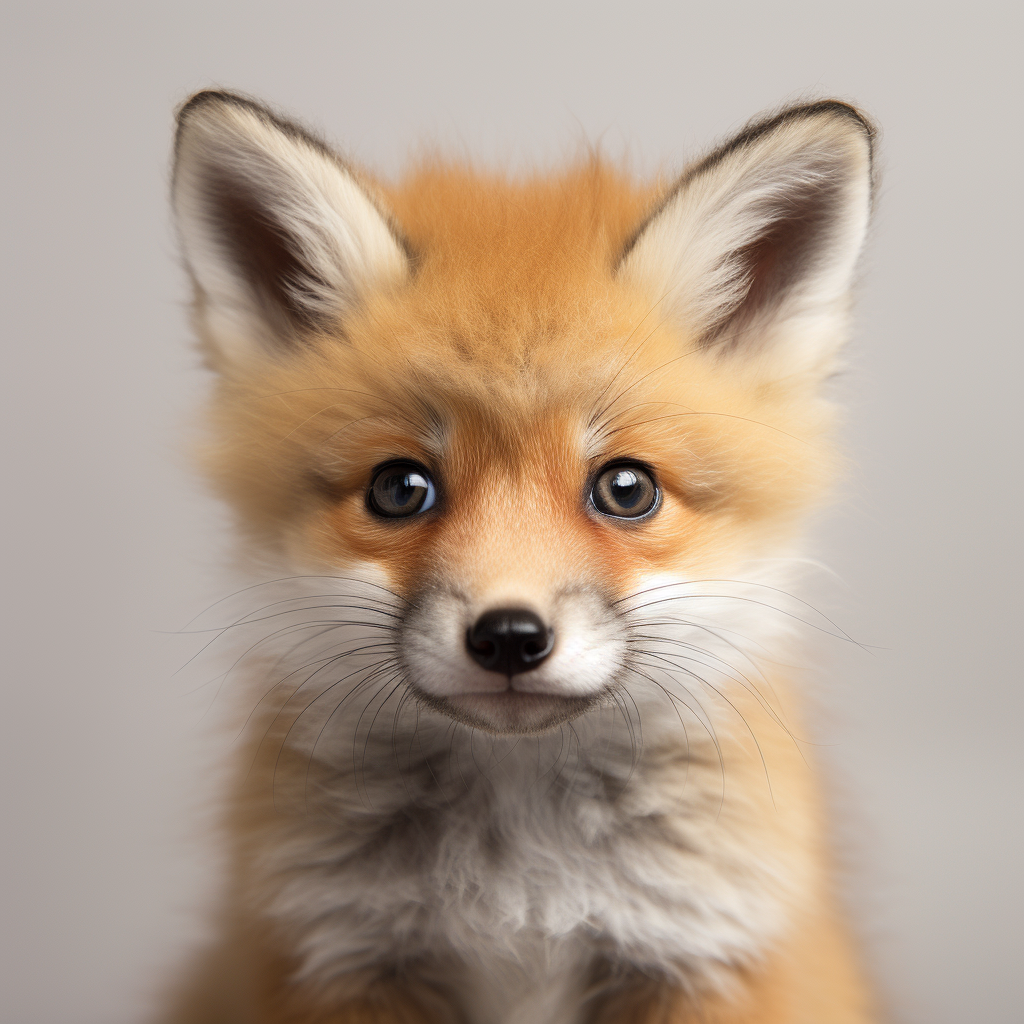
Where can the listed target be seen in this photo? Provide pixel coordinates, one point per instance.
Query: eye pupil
(625, 492)
(400, 490)
(403, 489)
(626, 489)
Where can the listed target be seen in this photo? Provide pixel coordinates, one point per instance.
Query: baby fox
(525, 461)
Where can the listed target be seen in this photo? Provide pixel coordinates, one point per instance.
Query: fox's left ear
(754, 249)
(281, 238)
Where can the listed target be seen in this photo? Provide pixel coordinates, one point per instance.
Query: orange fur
(513, 353)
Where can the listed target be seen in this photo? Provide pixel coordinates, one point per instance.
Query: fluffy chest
(545, 862)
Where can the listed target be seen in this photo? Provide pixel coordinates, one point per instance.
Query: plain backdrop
(111, 544)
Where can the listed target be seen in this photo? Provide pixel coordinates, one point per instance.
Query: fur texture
(629, 831)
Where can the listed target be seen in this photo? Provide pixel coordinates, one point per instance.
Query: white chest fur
(513, 865)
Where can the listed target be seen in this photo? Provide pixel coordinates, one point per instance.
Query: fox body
(527, 461)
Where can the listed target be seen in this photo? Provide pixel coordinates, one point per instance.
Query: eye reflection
(625, 491)
(401, 489)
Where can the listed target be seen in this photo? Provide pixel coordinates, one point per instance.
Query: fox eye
(625, 491)
(400, 489)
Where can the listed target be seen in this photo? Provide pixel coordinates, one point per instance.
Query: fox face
(541, 419)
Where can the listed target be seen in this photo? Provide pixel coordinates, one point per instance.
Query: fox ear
(279, 236)
(753, 250)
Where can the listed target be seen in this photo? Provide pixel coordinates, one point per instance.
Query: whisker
(292, 579)
(751, 600)
(369, 732)
(295, 721)
(458, 762)
(430, 767)
(634, 752)
(576, 766)
(699, 713)
(246, 621)
(840, 632)
(631, 356)
(650, 373)
(558, 758)
(405, 699)
(700, 679)
(727, 671)
(284, 631)
(686, 734)
(724, 415)
(302, 668)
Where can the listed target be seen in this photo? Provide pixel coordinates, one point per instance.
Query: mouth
(510, 711)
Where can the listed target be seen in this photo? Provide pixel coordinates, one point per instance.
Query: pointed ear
(754, 248)
(280, 238)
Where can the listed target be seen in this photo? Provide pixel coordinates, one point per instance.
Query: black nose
(509, 640)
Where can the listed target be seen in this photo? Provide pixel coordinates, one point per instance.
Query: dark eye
(626, 491)
(400, 489)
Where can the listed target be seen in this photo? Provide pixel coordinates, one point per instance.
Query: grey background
(109, 540)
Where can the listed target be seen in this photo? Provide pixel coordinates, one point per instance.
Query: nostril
(509, 640)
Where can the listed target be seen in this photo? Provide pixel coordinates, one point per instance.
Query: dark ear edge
(292, 129)
(259, 245)
(205, 97)
(751, 133)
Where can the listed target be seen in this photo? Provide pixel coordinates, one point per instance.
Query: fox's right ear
(280, 238)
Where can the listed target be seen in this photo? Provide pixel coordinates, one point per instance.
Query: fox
(521, 462)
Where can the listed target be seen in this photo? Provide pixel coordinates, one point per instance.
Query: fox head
(529, 411)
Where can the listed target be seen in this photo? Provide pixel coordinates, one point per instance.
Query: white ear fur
(754, 248)
(278, 235)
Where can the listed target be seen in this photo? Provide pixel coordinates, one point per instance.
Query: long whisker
(369, 732)
(682, 724)
(295, 721)
(841, 635)
(635, 750)
(292, 579)
(631, 356)
(284, 631)
(247, 619)
(740, 583)
(327, 658)
(700, 679)
(699, 713)
(727, 670)
(250, 621)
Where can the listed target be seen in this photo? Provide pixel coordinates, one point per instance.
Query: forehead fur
(510, 277)
(523, 243)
